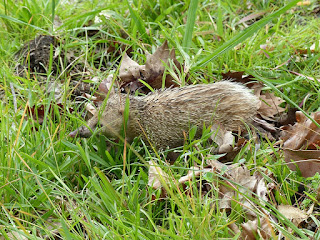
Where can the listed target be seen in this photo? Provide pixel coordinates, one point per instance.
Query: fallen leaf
(156, 176)
(301, 144)
(304, 134)
(152, 72)
(269, 105)
(252, 231)
(265, 129)
(295, 215)
(308, 161)
(223, 138)
(192, 173)
(105, 85)
(247, 80)
(91, 109)
(130, 70)
(155, 66)
(240, 185)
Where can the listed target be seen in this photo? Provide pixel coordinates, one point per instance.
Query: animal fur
(160, 118)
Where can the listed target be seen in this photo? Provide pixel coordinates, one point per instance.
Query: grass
(52, 186)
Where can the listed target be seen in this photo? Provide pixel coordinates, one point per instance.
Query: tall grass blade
(23, 23)
(245, 34)
(192, 14)
(139, 22)
(53, 13)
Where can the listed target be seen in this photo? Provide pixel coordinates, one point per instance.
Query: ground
(58, 56)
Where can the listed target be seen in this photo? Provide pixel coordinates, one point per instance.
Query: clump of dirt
(34, 57)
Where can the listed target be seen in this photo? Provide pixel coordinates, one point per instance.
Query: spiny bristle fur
(165, 114)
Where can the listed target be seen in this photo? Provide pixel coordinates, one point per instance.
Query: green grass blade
(275, 89)
(245, 34)
(139, 23)
(23, 23)
(53, 5)
(192, 14)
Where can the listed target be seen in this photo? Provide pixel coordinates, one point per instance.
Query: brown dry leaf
(223, 138)
(153, 70)
(130, 70)
(269, 105)
(308, 161)
(301, 142)
(91, 109)
(251, 229)
(155, 66)
(295, 215)
(194, 172)
(304, 134)
(247, 185)
(240, 181)
(238, 185)
(156, 176)
(106, 84)
(247, 80)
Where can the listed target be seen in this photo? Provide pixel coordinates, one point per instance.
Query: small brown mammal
(162, 117)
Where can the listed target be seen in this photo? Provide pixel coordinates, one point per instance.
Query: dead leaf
(304, 134)
(295, 215)
(252, 231)
(269, 107)
(91, 109)
(223, 138)
(247, 80)
(301, 144)
(153, 70)
(156, 176)
(240, 185)
(308, 161)
(105, 85)
(155, 66)
(265, 129)
(130, 70)
(192, 173)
